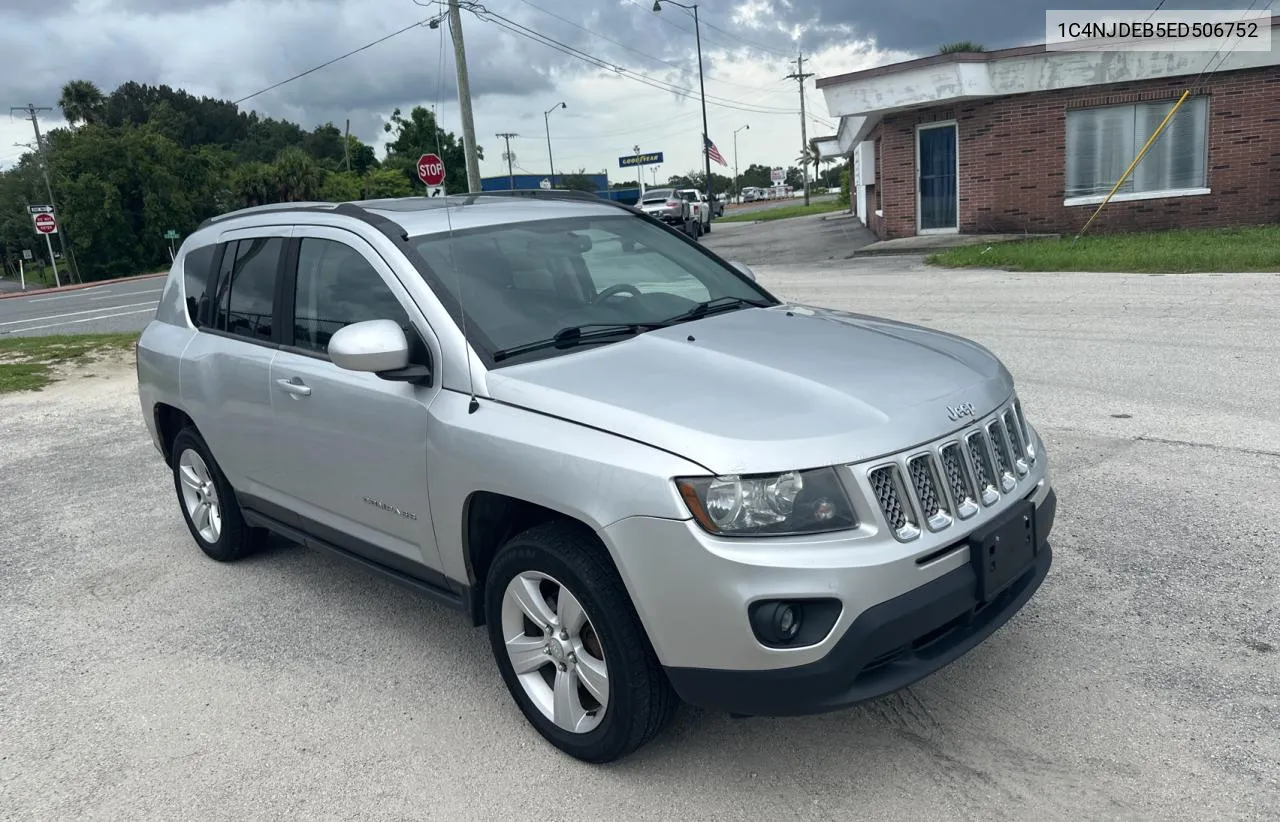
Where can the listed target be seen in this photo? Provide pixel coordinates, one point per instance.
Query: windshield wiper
(713, 306)
(576, 335)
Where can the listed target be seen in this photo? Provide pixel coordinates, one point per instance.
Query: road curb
(79, 286)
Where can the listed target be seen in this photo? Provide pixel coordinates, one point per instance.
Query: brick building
(1029, 139)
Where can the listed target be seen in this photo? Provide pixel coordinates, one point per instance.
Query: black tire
(235, 538)
(707, 229)
(641, 701)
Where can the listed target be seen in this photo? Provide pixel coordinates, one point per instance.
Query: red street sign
(431, 170)
(46, 224)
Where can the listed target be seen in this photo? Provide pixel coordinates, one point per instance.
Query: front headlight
(794, 502)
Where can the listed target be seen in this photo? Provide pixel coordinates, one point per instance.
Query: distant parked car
(665, 204)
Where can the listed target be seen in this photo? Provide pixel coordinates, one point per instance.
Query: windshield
(524, 282)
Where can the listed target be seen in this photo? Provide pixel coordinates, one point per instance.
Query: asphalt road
(142, 681)
(789, 242)
(118, 306)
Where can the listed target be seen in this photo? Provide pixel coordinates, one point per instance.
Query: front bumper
(904, 610)
(888, 647)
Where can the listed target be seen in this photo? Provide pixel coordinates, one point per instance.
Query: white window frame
(1150, 194)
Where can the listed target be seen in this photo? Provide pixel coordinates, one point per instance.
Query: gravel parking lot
(142, 681)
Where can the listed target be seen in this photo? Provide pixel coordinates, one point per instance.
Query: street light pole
(702, 90)
(736, 191)
(546, 119)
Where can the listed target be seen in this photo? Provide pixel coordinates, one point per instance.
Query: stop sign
(46, 224)
(431, 170)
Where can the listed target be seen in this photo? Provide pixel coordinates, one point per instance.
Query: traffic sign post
(171, 235)
(431, 171)
(47, 225)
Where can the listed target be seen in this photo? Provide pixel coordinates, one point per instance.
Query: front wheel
(570, 647)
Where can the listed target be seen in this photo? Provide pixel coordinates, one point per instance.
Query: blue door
(937, 184)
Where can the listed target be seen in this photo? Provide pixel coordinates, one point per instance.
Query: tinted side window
(336, 287)
(247, 287)
(195, 280)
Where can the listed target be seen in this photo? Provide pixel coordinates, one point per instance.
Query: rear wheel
(208, 502)
(570, 647)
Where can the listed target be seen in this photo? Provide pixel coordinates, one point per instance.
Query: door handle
(297, 389)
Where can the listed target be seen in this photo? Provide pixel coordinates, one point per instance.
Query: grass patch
(1254, 249)
(782, 212)
(26, 363)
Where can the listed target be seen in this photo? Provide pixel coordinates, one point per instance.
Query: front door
(938, 192)
(351, 450)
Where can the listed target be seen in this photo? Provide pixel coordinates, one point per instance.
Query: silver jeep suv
(650, 479)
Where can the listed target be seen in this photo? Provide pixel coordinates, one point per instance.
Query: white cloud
(232, 49)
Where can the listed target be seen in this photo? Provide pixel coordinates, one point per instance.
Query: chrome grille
(1004, 462)
(929, 492)
(953, 479)
(1017, 439)
(1029, 449)
(893, 501)
(958, 482)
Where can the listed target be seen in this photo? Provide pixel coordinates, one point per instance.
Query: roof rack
(259, 209)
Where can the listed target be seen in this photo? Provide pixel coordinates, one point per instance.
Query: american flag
(712, 151)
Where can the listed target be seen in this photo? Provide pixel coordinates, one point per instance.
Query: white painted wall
(948, 82)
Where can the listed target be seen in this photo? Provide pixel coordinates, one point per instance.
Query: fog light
(787, 621)
(792, 623)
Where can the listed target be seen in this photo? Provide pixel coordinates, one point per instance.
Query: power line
(717, 28)
(529, 33)
(328, 63)
(680, 91)
(645, 55)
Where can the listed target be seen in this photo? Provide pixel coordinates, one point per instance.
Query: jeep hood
(766, 389)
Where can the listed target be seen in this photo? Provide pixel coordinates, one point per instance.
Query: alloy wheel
(555, 652)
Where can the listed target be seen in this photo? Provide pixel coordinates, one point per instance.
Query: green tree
(81, 102)
(845, 189)
(755, 175)
(418, 134)
(386, 182)
(342, 187)
(253, 184)
(960, 47)
(298, 176)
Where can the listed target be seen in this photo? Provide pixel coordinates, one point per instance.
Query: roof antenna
(474, 404)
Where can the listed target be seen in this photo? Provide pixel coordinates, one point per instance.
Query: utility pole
(346, 145)
(800, 76)
(509, 157)
(33, 114)
(464, 99)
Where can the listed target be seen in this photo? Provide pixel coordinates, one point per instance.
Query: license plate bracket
(1002, 551)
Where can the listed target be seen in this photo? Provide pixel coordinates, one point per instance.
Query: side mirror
(747, 272)
(372, 345)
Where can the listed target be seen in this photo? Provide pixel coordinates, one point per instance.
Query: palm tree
(81, 102)
(811, 156)
(298, 179)
(962, 46)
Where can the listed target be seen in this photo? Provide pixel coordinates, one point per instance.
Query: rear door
(351, 448)
(225, 372)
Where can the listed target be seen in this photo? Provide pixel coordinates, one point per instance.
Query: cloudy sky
(628, 75)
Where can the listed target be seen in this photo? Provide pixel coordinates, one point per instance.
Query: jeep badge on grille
(964, 409)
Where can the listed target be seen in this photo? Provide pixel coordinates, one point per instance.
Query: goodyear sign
(652, 158)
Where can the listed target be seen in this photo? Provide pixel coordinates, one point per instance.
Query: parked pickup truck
(683, 208)
(648, 478)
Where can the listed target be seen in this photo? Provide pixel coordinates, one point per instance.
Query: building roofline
(957, 57)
